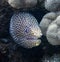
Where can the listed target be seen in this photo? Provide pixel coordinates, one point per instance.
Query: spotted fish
(25, 30)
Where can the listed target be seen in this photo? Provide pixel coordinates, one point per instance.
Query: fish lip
(30, 38)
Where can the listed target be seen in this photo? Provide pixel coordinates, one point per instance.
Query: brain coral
(22, 3)
(53, 32)
(50, 26)
(52, 5)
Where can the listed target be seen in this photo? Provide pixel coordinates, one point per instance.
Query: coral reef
(10, 51)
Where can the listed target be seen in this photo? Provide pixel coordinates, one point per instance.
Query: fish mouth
(30, 42)
(35, 41)
(32, 38)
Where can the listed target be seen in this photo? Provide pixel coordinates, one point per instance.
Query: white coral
(22, 3)
(52, 5)
(46, 20)
(50, 26)
(53, 32)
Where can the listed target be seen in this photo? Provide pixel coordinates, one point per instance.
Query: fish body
(25, 30)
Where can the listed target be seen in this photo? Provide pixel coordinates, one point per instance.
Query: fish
(25, 31)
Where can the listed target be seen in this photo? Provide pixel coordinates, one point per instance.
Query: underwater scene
(29, 30)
